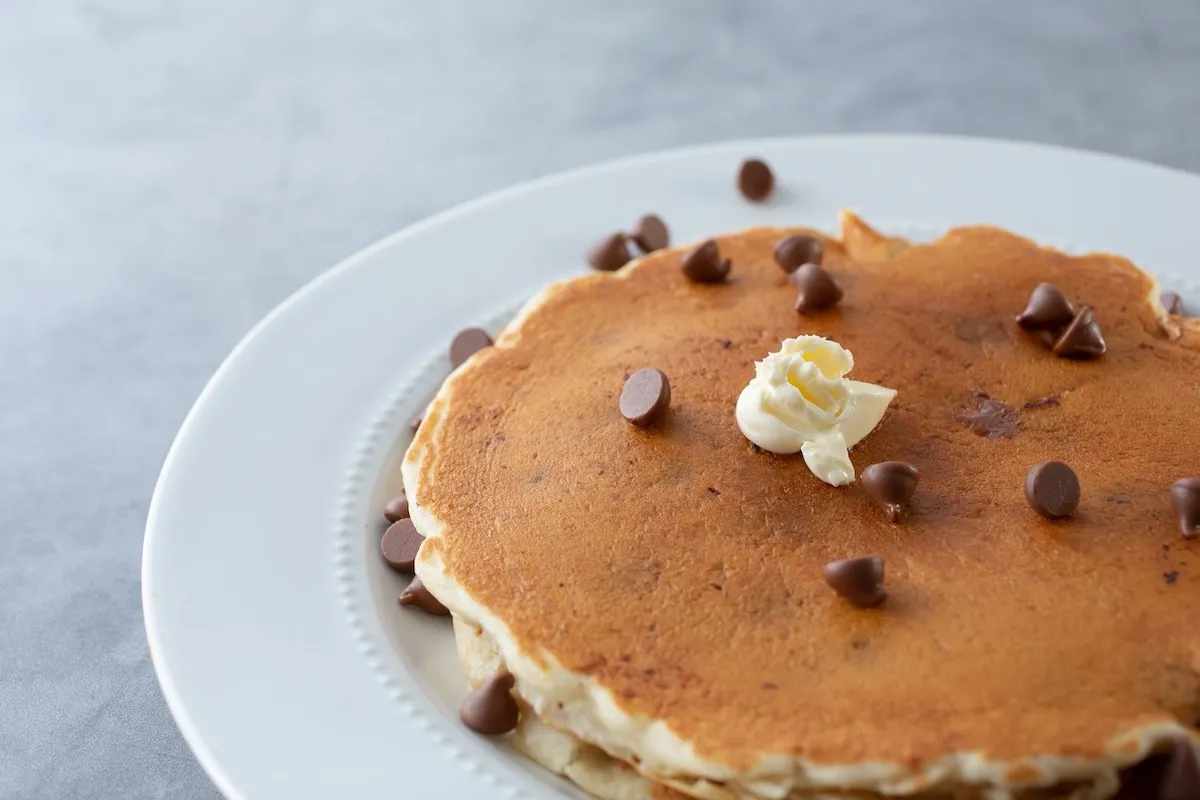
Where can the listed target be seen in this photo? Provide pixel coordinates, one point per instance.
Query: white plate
(272, 624)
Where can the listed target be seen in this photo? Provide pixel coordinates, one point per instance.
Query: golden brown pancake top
(682, 569)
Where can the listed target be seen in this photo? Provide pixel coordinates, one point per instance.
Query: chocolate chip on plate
(417, 596)
(1185, 499)
(467, 343)
(646, 396)
(650, 234)
(818, 289)
(1082, 338)
(1048, 309)
(1052, 489)
(703, 264)
(415, 425)
(396, 509)
(490, 709)
(1173, 303)
(891, 485)
(793, 252)
(755, 180)
(858, 580)
(400, 545)
(610, 253)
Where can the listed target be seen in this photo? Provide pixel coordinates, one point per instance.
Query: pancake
(657, 592)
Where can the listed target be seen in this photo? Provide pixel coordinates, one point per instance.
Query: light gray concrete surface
(169, 171)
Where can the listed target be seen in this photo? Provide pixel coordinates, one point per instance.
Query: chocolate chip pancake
(658, 591)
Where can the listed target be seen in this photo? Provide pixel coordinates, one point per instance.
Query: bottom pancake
(609, 778)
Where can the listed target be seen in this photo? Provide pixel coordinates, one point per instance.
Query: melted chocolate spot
(981, 331)
(993, 418)
(1041, 402)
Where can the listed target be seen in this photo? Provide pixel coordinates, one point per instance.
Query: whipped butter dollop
(800, 401)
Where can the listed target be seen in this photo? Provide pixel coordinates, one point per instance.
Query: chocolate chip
(793, 252)
(417, 596)
(646, 395)
(415, 425)
(1143, 780)
(1173, 303)
(396, 509)
(858, 580)
(1047, 310)
(818, 289)
(704, 264)
(891, 485)
(1181, 778)
(993, 419)
(1082, 338)
(491, 709)
(467, 343)
(1171, 576)
(755, 180)
(1185, 499)
(726, 343)
(400, 545)
(1052, 489)
(650, 234)
(610, 253)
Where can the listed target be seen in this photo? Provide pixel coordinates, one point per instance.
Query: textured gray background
(171, 171)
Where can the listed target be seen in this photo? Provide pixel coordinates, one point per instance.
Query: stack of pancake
(657, 592)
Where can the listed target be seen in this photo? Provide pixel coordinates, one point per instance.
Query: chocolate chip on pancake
(1185, 499)
(793, 252)
(417, 596)
(755, 180)
(400, 545)
(703, 264)
(891, 485)
(646, 396)
(396, 509)
(1048, 309)
(1082, 338)
(818, 289)
(610, 253)
(490, 709)
(1173, 303)
(1052, 489)
(858, 580)
(650, 233)
(467, 343)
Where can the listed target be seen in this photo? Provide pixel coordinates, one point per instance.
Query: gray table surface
(171, 171)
